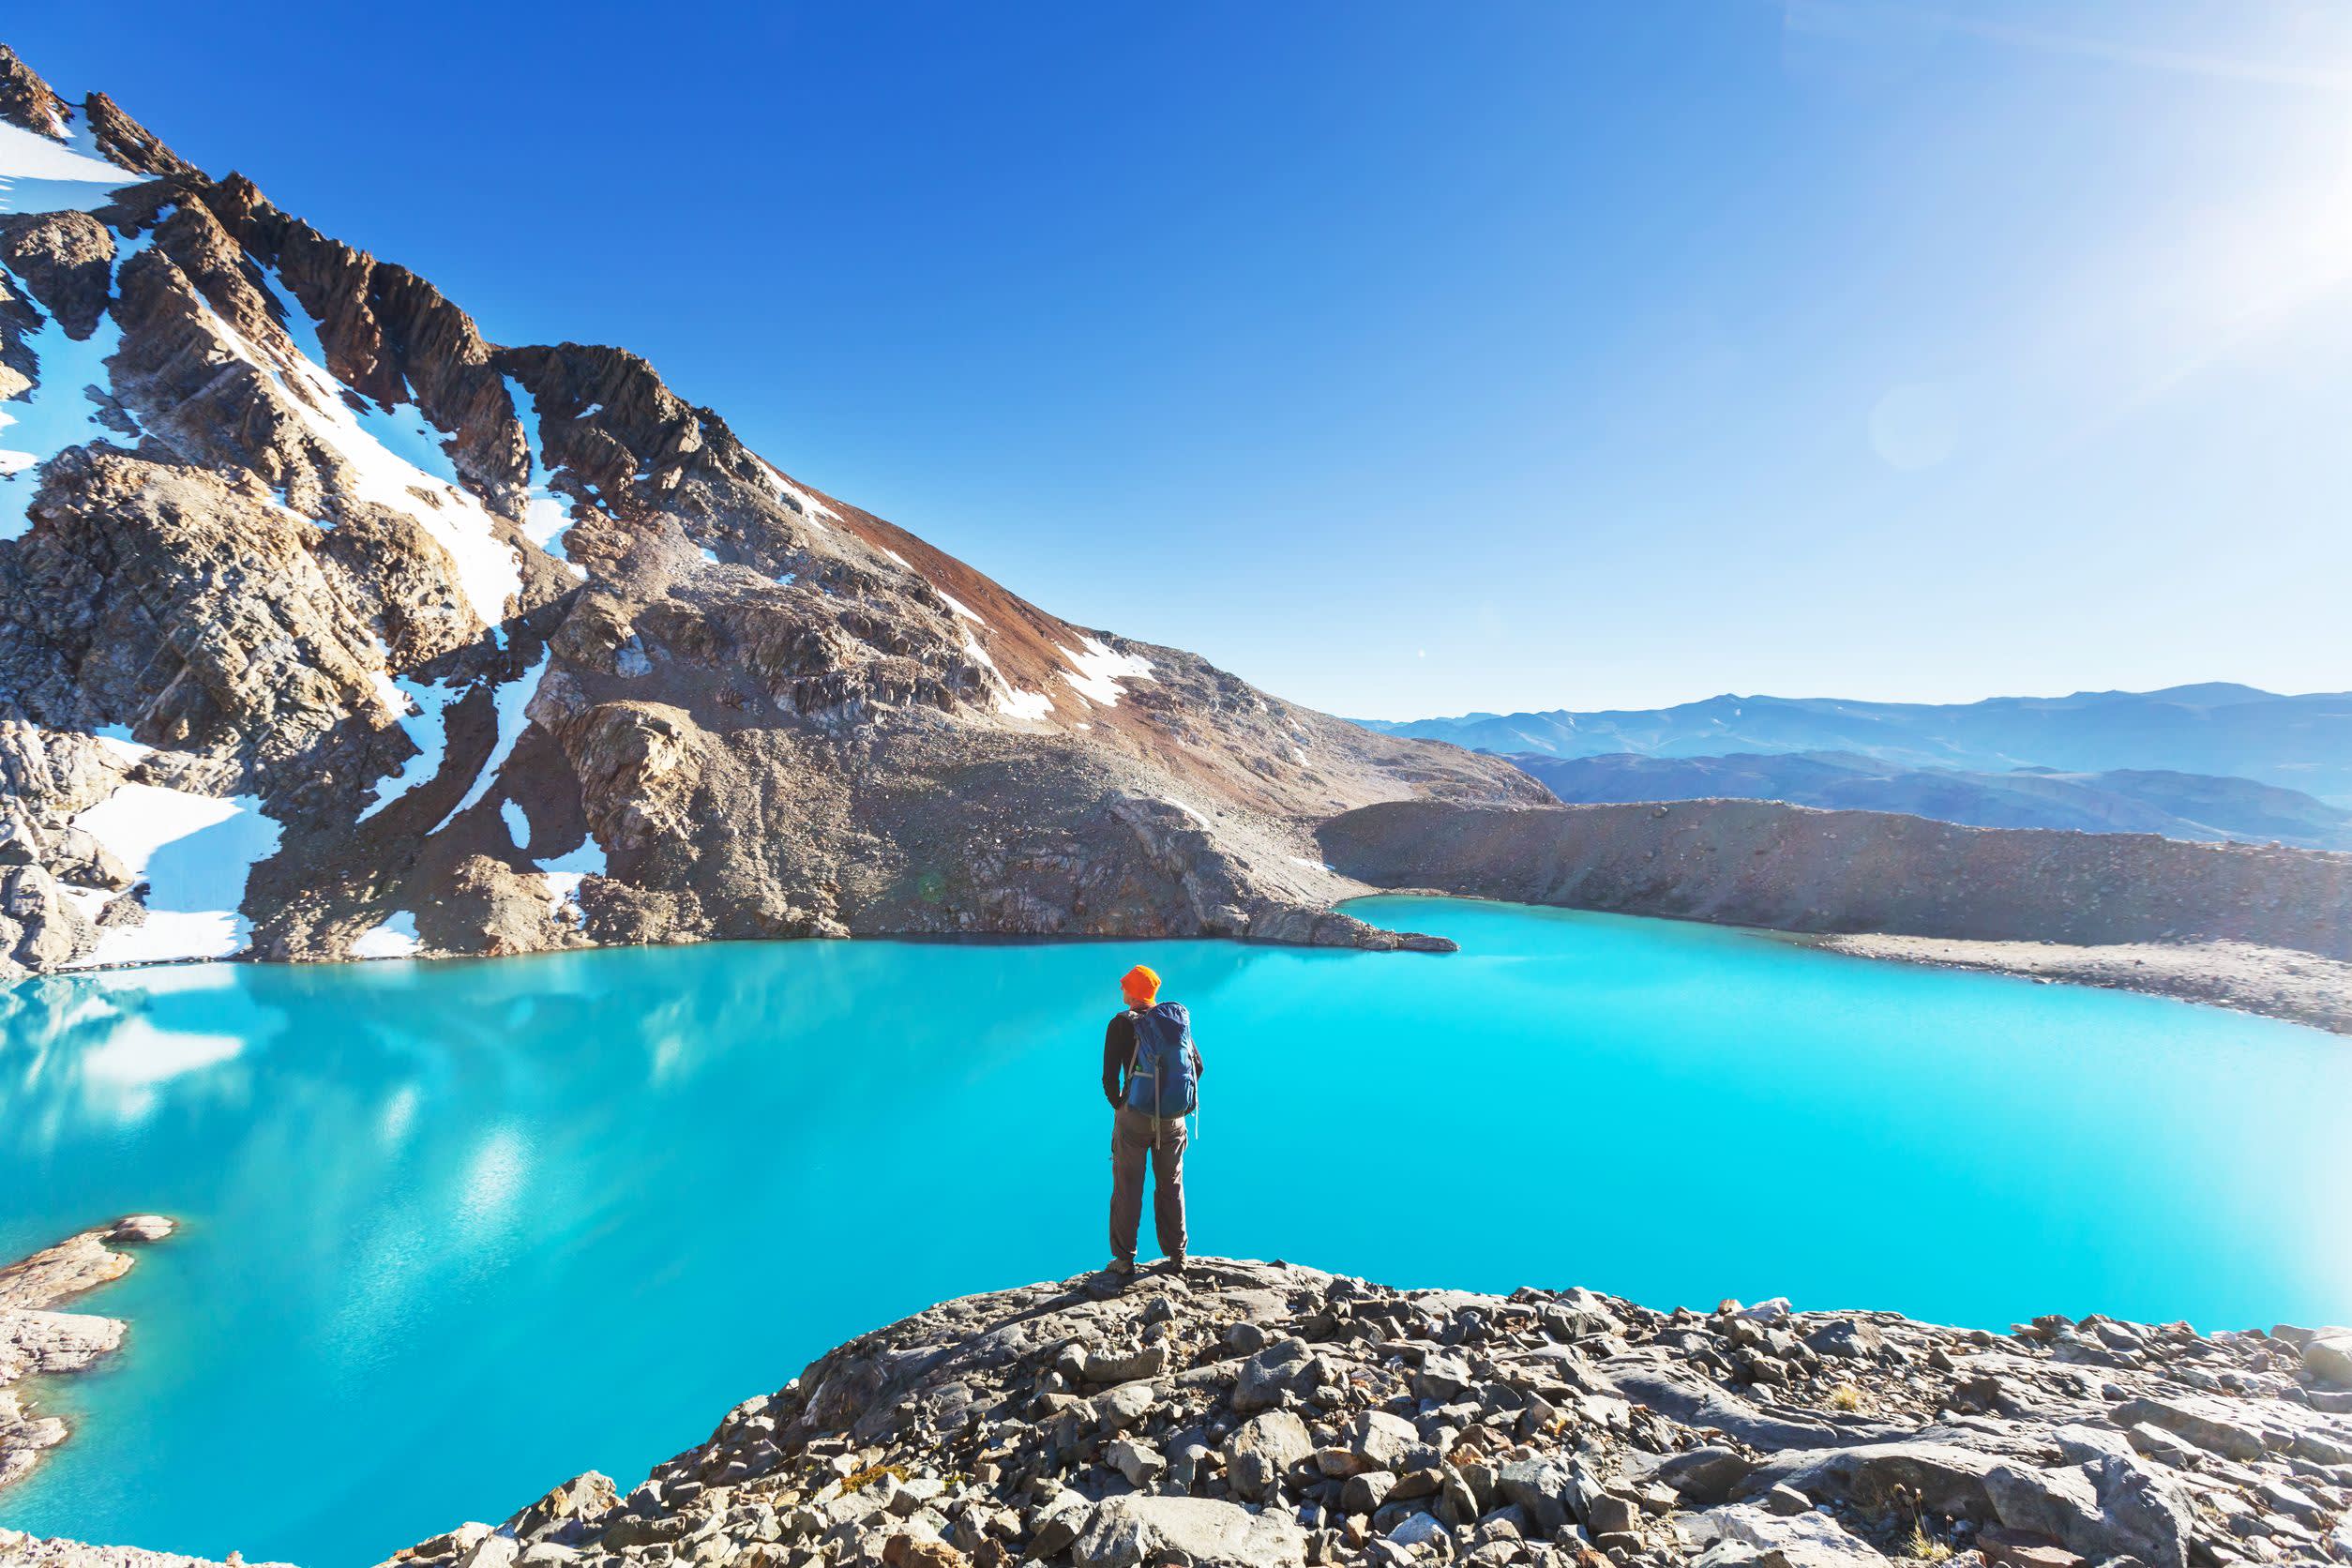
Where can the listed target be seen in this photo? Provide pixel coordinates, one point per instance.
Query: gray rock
(1421, 1530)
(497, 1550)
(1379, 1441)
(1744, 1533)
(2163, 1446)
(1610, 1514)
(1546, 1490)
(1705, 1475)
(1441, 1377)
(1787, 1501)
(1365, 1492)
(2210, 1423)
(1122, 1407)
(1125, 1531)
(1097, 1368)
(1140, 1462)
(2328, 1355)
(1261, 1452)
(1286, 1366)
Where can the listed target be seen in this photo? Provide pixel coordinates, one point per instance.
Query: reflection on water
(456, 1232)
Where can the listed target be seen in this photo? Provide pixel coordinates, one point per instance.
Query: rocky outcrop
(346, 630)
(35, 1339)
(1255, 1415)
(2267, 929)
(20, 1550)
(2276, 982)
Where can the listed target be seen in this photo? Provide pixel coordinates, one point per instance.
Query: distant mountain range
(2176, 805)
(2302, 743)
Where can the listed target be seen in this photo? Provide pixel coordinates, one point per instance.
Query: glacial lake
(455, 1231)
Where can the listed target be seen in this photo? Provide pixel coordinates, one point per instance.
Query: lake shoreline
(2243, 978)
(2257, 929)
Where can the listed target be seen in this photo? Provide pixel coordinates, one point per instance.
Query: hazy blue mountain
(2298, 742)
(2176, 805)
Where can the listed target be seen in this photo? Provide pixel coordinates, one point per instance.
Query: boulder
(1744, 1533)
(2209, 1424)
(1704, 1475)
(1378, 1440)
(1261, 1452)
(1127, 1531)
(1100, 1367)
(586, 1496)
(1122, 1407)
(1286, 1366)
(1140, 1462)
(1419, 1530)
(1441, 1377)
(1365, 1493)
(2328, 1356)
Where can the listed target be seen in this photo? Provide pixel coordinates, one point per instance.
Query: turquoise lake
(456, 1232)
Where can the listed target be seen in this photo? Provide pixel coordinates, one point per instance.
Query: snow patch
(959, 606)
(512, 698)
(395, 938)
(116, 739)
(195, 853)
(428, 728)
(1310, 865)
(563, 872)
(39, 175)
(1023, 705)
(803, 502)
(89, 900)
(1196, 816)
(1100, 669)
(895, 556)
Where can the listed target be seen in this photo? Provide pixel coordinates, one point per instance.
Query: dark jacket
(1119, 1050)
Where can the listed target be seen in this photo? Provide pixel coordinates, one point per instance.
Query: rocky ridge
(2264, 928)
(1253, 1415)
(329, 627)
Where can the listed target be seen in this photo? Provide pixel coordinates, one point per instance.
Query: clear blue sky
(1415, 358)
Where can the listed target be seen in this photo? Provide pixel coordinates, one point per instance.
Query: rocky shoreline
(1267, 1415)
(2261, 929)
(2279, 983)
(1257, 1415)
(36, 1339)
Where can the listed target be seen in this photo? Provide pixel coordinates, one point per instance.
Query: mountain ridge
(336, 629)
(2175, 805)
(2300, 742)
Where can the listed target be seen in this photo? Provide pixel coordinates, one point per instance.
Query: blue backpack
(1163, 1076)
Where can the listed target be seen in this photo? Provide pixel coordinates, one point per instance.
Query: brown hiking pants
(1133, 1136)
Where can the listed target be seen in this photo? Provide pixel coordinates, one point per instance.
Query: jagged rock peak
(416, 642)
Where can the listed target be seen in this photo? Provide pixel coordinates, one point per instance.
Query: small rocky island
(1265, 1415)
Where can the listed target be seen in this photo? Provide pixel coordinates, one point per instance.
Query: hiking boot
(1174, 1266)
(1120, 1266)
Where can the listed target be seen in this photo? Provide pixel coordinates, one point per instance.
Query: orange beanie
(1140, 985)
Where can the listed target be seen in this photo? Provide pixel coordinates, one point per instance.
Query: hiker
(1151, 1077)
